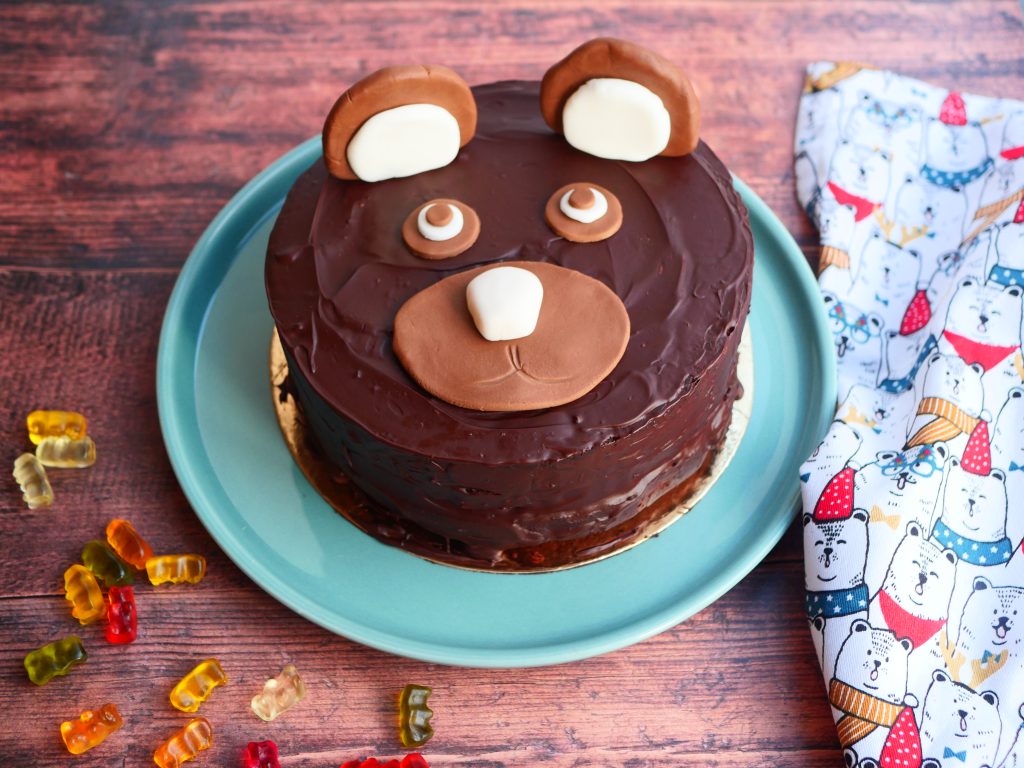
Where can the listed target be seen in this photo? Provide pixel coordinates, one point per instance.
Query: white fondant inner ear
(439, 234)
(505, 302)
(616, 119)
(584, 215)
(403, 141)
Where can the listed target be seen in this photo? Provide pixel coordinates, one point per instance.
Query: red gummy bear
(122, 618)
(261, 754)
(413, 760)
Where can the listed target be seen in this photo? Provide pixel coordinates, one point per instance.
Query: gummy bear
(31, 477)
(261, 754)
(56, 658)
(55, 424)
(414, 716)
(185, 744)
(412, 760)
(105, 565)
(83, 592)
(122, 618)
(176, 569)
(279, 694)
(128, 544)
(196, 687)
(66, 452)
(90, 729)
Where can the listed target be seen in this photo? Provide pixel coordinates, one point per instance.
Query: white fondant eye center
(505, 302)
(597, 209)
(616, 119)
(403, 141)
(441, 230)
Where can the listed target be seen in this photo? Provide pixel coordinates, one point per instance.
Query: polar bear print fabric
(914, 502)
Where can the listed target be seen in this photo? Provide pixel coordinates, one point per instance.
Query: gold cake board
(345, 499)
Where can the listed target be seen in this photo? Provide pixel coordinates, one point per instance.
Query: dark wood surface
(124, 127)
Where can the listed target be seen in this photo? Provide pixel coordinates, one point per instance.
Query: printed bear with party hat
(971, 517)
(956, 150)
(898, 488)
(836, 539)
(958, 724)
(907, 348)
(886, 279)
(868, 693)
(949, 403)
(839, 445)
(983, 325)
(913, 600)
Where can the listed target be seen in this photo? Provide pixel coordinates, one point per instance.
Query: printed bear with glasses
(898, 488)
(857, 337)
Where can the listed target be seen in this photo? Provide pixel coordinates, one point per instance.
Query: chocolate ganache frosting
(528, 489)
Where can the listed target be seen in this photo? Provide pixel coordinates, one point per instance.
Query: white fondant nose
(616, 119)
(404, 141)
(505, 302)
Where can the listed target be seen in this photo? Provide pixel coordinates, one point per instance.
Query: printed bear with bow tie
(959, 726)
(989, 645)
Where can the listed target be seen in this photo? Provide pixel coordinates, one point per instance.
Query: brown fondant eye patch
(581, 334)
(429, 87)
(440, 229)
(609, 58)
(583, 213)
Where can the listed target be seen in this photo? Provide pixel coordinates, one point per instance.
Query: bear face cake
(511, 314)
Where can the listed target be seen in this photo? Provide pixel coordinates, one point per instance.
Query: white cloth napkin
(914, 502)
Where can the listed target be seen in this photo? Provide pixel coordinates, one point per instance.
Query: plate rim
(243, 214)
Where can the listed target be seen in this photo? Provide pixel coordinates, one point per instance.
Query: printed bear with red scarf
(887, 278)
(983, 325)
(959, 726)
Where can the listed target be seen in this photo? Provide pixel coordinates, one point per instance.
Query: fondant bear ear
(398, 122)
(617, 100)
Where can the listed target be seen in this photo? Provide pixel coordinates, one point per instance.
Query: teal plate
(228, 453)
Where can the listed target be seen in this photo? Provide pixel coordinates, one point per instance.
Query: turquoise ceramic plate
(228, 453)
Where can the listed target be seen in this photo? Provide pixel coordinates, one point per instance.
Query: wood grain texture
(124, 127)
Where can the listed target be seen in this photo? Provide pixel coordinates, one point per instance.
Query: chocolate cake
(516, 488)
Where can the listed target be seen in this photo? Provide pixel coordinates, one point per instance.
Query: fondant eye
(440, 229)
(583, 213)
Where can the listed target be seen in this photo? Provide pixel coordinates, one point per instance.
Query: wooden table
(123, 130)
